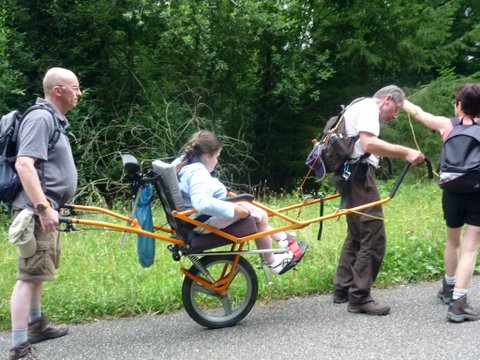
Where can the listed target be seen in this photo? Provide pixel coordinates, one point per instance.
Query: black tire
(212, 310)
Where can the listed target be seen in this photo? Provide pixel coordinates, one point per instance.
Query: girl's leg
(260, 215)
(459, 310)
(452, 250)
(450, 255)
(266, 243)
(261, 218)
(283, 239)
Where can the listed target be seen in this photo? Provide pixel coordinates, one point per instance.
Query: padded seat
(241, 228)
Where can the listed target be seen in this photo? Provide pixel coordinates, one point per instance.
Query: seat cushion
(241, 228)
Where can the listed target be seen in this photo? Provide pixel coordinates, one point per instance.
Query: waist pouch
(360, 171)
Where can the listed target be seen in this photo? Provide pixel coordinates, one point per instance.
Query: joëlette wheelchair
(221, 287)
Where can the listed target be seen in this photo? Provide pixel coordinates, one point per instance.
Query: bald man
(49, 178)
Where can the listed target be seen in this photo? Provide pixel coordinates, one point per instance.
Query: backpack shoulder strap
(341, 115)
(456, 121)
(59, 129)
(35, 107)
(356, 100)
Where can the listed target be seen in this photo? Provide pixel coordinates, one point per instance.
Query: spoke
(197, 288)
(227, 304)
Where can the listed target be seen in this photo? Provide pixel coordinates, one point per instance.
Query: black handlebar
(247, 197)
(405, 171)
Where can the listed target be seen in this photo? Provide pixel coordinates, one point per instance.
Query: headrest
(169, 183)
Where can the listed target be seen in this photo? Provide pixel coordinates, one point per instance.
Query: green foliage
(11, 80)
(264, 73)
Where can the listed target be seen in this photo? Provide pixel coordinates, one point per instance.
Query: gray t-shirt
(56, 167)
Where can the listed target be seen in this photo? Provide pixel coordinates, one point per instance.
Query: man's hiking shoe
(340, 298)
(370, 308)
(22, 352)
(446, 292)
(41, 329)
(459, 311)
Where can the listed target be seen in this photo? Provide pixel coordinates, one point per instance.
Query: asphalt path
(307, 328)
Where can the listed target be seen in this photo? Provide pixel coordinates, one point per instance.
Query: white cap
(20, 233)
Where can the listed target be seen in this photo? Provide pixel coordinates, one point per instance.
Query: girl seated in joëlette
(202, 191)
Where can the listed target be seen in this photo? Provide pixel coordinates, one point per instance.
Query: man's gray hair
(394, 91)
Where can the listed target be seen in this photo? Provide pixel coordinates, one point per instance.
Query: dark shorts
(460, 209)
(41, 266)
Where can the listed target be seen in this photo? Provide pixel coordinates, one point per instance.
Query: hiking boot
(22, 352)
(459, 310)
(41, 329)
(446, 292)
(340, 298)
(370, 308)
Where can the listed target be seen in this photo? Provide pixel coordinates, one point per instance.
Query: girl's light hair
(200, 143)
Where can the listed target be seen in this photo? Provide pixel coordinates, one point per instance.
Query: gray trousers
(364, 247)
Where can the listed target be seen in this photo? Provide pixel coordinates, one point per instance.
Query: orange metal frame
(133, 225)
(166, 234)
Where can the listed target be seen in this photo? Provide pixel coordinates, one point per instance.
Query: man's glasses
(75, 88)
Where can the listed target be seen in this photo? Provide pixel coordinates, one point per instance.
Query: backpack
(332, 151)
(460, 159)
(9, 124)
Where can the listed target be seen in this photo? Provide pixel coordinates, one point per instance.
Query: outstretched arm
(372, 144)
(429, 120)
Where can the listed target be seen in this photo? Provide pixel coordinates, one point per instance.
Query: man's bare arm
(373, 145)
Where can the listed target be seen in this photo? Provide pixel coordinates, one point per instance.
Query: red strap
(295, 249)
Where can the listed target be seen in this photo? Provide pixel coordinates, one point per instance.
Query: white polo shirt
(363, 115)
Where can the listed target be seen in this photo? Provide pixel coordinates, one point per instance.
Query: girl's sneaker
(297, 247)
(282, 263)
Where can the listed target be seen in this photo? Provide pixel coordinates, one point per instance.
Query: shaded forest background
(263, 74)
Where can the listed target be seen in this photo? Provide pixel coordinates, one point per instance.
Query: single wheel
(211, 309)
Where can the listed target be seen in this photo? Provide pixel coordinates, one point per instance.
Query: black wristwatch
(42, 207)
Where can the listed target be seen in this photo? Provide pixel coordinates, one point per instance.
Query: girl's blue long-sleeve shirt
(201, 191)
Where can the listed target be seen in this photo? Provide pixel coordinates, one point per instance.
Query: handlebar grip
(64, 219)
(429, 168)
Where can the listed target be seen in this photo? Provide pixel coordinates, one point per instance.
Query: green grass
(100, 279)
